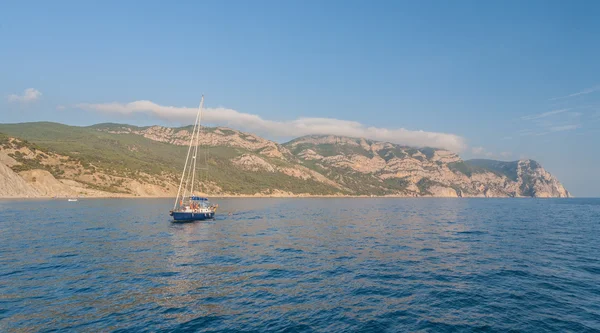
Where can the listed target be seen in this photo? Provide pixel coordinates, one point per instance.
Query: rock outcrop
(535, 181)
(45, 184)
(218, 136)
(123, 160)
(13, 186)
(399, 170)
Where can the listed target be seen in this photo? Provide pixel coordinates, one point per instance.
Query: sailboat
(188, 206)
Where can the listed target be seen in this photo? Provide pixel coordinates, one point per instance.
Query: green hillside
(127, 155)
(130, 159)
(124, 153)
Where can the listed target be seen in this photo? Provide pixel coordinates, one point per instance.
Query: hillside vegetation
(119, 159)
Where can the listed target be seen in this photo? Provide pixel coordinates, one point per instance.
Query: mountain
(49, 159)
(383, 168)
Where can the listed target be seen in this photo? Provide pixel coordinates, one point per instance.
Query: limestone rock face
(13, 186)
(535, 181)
(365, 166)
(123, 160)
(253, 163)
(407, 171)
(219, 136)
(441, 191)
(45, 184)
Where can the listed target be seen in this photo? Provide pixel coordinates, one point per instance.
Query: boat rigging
(189, 206)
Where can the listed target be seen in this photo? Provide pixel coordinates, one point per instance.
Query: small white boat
(72, 199)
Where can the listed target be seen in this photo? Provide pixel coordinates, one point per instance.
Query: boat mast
(187, 158)
(197, 141)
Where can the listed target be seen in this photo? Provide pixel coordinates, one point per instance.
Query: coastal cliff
(49, 159)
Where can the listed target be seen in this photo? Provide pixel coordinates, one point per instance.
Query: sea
(301, 265)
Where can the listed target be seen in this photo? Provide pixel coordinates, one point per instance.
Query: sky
(487, 79)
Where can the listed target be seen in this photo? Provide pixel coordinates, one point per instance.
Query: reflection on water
(302, 265)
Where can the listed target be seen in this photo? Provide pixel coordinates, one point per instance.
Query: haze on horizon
(501, 80)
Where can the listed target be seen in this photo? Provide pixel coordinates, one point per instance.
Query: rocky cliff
(14, 186)
(385, 168)
(47, 159)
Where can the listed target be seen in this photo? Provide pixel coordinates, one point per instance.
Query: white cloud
(29, 95)
(563, 128)
(551, 129)
(579, 93)
(530, 132)
(285, 129)
(480, 151)
(548, 125)
(544, 115)
(61, 107)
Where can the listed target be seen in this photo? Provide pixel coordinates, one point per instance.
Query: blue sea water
(302, 265)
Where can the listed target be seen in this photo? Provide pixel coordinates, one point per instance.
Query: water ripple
(302, 265)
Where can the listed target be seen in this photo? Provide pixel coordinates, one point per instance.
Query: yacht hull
(190, 216)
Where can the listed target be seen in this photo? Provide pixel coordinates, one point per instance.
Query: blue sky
(503, 80)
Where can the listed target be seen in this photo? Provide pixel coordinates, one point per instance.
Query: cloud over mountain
(285, 129)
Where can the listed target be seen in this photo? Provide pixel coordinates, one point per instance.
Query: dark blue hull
(189, 217)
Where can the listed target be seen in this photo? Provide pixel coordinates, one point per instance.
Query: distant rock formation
(49, 159)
